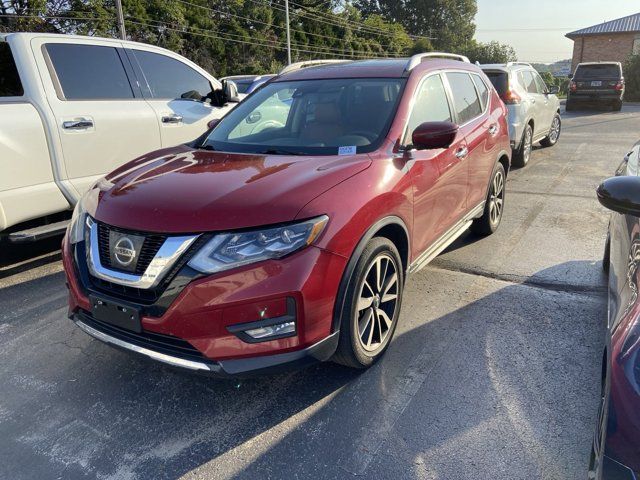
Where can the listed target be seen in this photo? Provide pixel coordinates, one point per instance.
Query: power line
(327, 18)
(272, 43)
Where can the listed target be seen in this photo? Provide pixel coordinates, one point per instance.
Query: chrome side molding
(446, 239)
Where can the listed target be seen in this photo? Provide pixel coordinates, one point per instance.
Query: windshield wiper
(279, 151)
(206, 147)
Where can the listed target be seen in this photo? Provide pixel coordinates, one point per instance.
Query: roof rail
(308, 63)
(511, 64)
(417, 59)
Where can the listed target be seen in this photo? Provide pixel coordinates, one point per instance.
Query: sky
(536, 28)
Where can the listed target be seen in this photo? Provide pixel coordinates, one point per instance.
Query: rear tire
(617, 106)
(372, 305)
(570, 106)
(554, 132)
(494, 205)
(522, 155)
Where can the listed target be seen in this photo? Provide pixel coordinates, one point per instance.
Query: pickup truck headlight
(76, 226)
(230, 250)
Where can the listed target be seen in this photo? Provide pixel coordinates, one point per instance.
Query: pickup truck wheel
(554, 132)
(522, 155)
(372, 302)
(494, 206)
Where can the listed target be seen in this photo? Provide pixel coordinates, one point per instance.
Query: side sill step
(38, 233)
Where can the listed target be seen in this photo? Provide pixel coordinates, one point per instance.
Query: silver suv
(534, 109)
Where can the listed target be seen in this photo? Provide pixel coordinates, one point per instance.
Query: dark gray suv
(598, 83)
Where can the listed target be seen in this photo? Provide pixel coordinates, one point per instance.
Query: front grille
(150, 247)
(167, 344)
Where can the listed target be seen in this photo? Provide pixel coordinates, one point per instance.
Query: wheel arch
(391, 227)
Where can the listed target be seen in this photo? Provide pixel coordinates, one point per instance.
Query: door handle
(77, 124)
(462, 153)
(493, 129)
(173, 118)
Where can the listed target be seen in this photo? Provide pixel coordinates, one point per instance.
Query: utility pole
(286, 10)
(123, 33)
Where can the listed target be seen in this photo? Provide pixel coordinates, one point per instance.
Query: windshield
(310, 117)
(243, 84)
(597, 71)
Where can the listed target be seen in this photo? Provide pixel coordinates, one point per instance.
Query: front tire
(372, 305)
(523, 154)
(494, 205)
(554, 132)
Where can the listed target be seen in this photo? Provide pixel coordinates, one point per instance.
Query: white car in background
(73, 108)
(534, 108)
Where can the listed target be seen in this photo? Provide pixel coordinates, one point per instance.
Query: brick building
(609, 41)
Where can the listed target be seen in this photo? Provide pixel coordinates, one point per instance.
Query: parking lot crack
(529, 281)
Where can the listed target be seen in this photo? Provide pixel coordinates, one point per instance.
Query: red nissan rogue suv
(285, 233)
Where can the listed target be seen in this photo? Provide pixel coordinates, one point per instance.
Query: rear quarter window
(10, 84)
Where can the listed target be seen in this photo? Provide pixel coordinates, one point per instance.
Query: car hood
(181, 189)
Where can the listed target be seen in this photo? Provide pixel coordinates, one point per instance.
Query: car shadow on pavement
(504, 387)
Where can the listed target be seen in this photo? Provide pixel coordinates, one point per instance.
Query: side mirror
(434, 135)
(621, 194)
(570, 76)
(553, 90)
(213, 123)
(230, 90)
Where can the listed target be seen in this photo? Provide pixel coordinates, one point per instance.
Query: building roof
(627, 24)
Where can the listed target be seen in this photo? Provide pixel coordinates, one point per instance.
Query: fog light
(273, 330)
(276, 321)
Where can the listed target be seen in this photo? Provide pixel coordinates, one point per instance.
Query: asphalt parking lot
(493, 373)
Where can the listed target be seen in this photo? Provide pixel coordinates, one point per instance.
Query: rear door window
(169, 78)
(483, 91)
(10, 85)
(89, 72)
(465, 98)
(598, 71)
(430, 105)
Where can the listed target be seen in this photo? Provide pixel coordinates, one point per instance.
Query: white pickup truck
(74, 108)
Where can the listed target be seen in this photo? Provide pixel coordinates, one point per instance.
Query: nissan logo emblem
(124, 251)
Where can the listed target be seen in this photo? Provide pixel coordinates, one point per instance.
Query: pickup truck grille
(150, 247)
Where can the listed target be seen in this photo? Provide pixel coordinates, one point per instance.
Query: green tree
(492, 52)
(448, 23)
(632, 78)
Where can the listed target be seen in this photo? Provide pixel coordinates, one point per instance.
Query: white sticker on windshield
(350, 150)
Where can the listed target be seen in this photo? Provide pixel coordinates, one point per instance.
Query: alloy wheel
(554, 133)
(496, 198)
(377, 302)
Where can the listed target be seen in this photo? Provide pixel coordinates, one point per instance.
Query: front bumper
(194, 330)
(319, 352)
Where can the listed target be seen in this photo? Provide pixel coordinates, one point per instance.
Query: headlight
(76, 226)
(231, 250)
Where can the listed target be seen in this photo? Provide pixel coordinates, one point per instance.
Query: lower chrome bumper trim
(161, 357)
